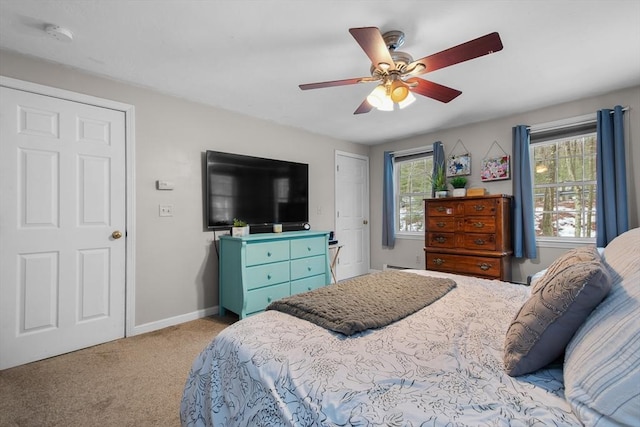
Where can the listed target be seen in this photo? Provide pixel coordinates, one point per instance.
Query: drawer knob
(268, 277)
(440, 239)
(478, 224)
(308, 268)
(308, 248)
(478, 207)
(309, 288)
(440, 224)
(268, 254)
(438, 261)
(268, 299)
(484, 266)
(479, 242)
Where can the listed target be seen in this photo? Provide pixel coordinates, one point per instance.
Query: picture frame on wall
(496, 168)
(459, 164)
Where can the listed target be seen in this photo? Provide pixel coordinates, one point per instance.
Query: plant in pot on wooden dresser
(469, 235)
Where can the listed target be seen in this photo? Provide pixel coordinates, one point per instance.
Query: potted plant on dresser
(240, 228)
(459, 183)
(439, 182)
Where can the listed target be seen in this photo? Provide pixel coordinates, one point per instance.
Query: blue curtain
(524, 235)
(611, 173)
(438, 160)
(388, 208)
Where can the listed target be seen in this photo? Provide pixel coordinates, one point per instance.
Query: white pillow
(602, 360)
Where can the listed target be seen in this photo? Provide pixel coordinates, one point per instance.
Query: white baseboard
(171, 321)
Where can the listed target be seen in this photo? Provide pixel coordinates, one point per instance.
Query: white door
(62, 205)
(352, 214)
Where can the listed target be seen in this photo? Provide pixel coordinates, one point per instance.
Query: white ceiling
(250, 56)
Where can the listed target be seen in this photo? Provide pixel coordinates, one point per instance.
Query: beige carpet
(134, 381)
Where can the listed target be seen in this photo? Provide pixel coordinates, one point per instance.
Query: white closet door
(62, 226)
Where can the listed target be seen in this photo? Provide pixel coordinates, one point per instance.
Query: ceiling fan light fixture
(377, 96)
(387, 104)
(399, 91)
(407, 101)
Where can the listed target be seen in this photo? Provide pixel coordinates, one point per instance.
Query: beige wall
(478, 137)
(176, 268)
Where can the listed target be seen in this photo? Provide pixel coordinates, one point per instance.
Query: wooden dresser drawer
(305, 267)
(465, 264)
(480, 207)
(478, 241)
(441, 240)
(441, 208)
(259, 299)
(479, 224)
(267, 274)
(308, 284)
(442, 224)
(262, 253)
(308, 247)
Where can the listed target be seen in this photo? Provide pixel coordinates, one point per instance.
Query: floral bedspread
(439, 366)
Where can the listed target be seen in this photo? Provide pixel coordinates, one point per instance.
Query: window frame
(582, 127)
(398, 158)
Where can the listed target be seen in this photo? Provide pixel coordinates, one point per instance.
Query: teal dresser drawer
(259, 299)
(301, 248)
(267, 274)
(306, 267)
(262, 253)
(308, 284)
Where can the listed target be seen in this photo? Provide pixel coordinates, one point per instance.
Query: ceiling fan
(396, 71)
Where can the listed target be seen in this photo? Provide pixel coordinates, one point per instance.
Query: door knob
(116, 234)
(365, 222)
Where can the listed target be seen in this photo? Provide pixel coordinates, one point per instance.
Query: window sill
(419, 235)
(563, 243)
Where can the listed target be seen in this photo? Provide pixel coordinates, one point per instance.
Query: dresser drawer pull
(440, 239)
(438, 261)
(484, 266)
(268, 299)
(268, 277)
(479, 242)
(478, 224)
(478, 207)
(309, 288)
(268, 254)
(309, 248)
(440, 208)
(308, 268)
(441, 224)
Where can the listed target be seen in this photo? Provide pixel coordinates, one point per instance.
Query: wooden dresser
(469, 235)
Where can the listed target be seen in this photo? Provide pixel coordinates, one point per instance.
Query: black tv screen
(259, 191)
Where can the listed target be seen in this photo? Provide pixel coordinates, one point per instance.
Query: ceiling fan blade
(365, 107)
(432, 90)
(335, 83)
(463, 52)
(371, 41)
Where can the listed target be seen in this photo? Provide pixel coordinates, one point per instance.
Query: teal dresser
(260, 268)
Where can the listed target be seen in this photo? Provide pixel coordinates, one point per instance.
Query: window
(412, 185)
(564, 182)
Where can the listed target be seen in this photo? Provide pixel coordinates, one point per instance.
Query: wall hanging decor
(458, 163)
(495, 167)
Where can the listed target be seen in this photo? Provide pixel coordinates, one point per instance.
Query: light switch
(166, 210)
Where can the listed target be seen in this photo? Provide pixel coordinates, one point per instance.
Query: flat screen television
(259, 191)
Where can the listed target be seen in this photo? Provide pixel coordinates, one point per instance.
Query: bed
(450, 363)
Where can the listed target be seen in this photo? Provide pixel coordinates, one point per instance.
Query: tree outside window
(565, 187)
(412, 186)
